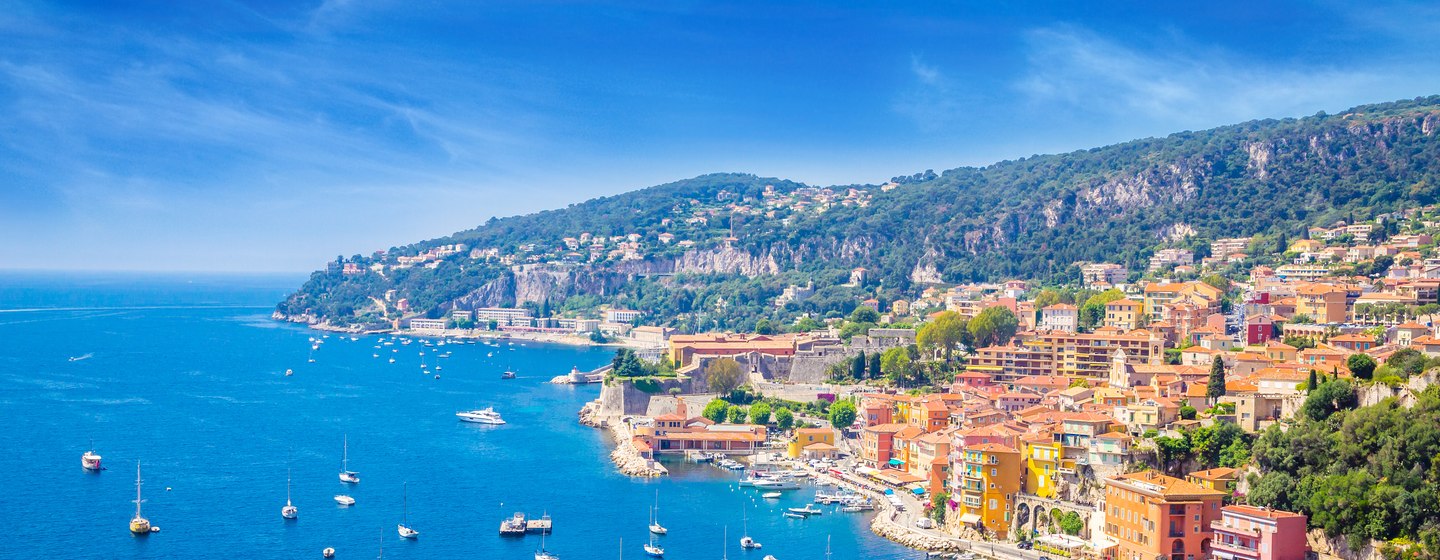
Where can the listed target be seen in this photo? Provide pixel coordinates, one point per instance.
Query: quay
(518, 525)
(577, 377)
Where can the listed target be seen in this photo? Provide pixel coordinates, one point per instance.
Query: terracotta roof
(1252, 511)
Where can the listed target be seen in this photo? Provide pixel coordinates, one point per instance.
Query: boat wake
(87, 356)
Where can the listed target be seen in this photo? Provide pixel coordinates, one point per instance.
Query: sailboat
(655, 526)
(745, 540)
(347, 475)
(543, 554)
(289, 511)
(139, 525)
(652, 549)
(406, 532)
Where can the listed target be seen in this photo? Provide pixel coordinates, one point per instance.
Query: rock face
(883, 526)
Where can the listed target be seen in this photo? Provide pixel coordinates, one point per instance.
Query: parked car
(925, 523)
(1025, 545)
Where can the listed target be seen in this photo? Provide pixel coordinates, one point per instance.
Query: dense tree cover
(842, 414)
(1028, 218)
(723, 375)
(945, 333)
(716, 410)
(784, 419)
(993, 325)
(1366, 473)
(760, 413)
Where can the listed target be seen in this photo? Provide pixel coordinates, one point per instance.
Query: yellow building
(985, 484)
(1045, 463)
(1123, 314)
(805, 437)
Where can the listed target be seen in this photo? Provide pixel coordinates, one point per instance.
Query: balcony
(1221, 526)
(1233, 550)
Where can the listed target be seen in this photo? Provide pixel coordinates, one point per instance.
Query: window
(993, 503)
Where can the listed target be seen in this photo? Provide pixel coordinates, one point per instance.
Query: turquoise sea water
(186, 375)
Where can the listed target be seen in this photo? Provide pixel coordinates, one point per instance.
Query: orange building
(984, 484)
(1154, 516)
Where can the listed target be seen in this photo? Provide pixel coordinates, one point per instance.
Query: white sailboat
(543, 554)
(406, 532)
(655, 526)
(346, 475)
(745, 540)
(652, 549)
(289, 511)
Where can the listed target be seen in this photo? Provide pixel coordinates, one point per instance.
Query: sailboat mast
(405, 503)
(137, 489)
(725, 544)
(287, 486)
(345, 455)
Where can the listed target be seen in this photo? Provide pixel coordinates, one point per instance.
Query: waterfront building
(806, 437)
(984, 484)
(1152, 515)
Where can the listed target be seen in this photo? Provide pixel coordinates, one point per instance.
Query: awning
(918, 490)
(896, 462)
(969, 519)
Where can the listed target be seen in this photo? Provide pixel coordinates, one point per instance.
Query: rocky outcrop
(626, 457)
(726, 260)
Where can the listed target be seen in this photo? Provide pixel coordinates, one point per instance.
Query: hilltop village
(1113, 420)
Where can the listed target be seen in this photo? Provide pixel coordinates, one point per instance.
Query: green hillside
(1031, 218)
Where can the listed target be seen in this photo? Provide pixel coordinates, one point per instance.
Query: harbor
(463, 478)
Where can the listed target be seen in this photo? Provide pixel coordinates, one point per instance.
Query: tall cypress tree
(1314, 381)
(1216, 388)
(857, 367)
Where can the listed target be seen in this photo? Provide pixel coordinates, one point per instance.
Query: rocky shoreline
(627, 459)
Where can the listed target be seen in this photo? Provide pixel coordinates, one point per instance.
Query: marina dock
(519, 525)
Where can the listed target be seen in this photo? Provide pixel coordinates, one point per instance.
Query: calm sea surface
(186, 375)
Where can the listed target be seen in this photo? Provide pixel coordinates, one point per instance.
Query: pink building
(1252, 533)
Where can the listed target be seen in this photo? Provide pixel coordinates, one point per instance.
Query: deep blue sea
(185, 374)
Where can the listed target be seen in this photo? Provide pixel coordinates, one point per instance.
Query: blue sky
(248, 136)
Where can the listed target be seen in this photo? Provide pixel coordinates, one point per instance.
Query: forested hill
(723, 246)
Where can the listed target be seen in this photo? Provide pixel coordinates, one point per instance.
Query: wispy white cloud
(1183, 85)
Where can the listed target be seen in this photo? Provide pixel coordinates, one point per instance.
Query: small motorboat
(809, 509)
(344, 500)
(507, 375)
(290, 372)
(747, 542)
(771, 495)
(769, 557)
(794, 515)
(327, 553)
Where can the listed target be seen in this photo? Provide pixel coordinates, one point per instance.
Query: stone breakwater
(883, 526)
(627, 459)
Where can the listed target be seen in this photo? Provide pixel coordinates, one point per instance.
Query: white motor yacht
(483, 416)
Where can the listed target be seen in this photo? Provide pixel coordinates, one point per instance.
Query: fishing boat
(745, 541)
(90, 461)
(405, 530)
(346, 475)
(289, 511)
(543, 554)
(138, 524)
(655, 526)
(344, 500)
(486, 415)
